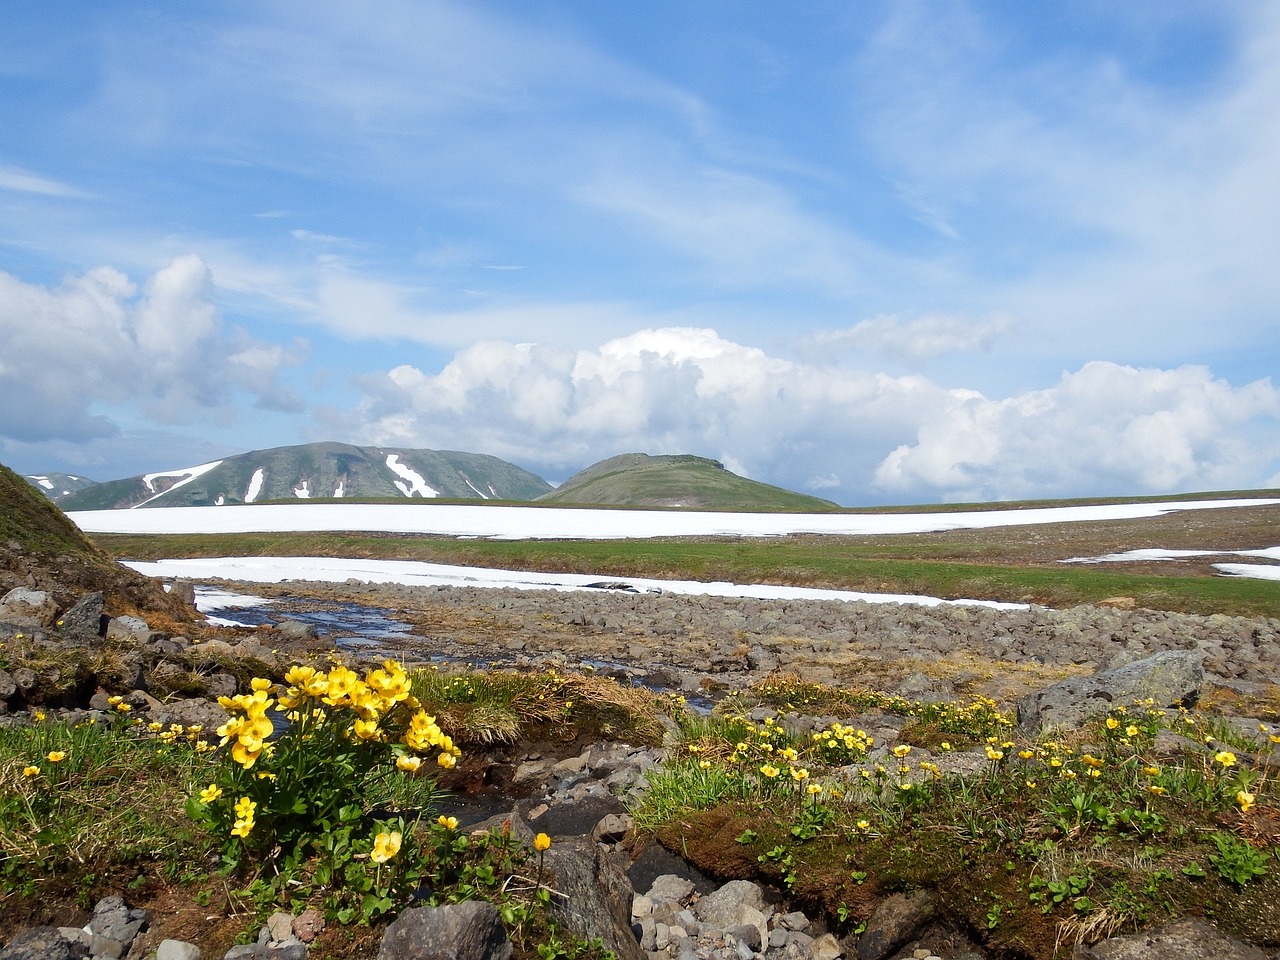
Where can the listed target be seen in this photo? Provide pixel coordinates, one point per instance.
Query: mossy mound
(42, 549)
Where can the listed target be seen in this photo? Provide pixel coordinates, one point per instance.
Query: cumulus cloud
(851, 435)
(1105, 427)
(97, 340)
(921, 339)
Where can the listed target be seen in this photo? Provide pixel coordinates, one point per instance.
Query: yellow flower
(57, 756)
(541, 842)
(704, 764)
(799, 774)
(31, 771)
(1156, 791)
(1112, 723)
(901, 750)
(1026, 754)
(244, 817)
(385, 846)
(814, 789)
(1245, 799)
(1151, 771)
(1131, 731)
(994, 754)
(864, 825)
(447, 760)
(449, 823)
(1226, 758)
(210, 793)
(408, 764)
(770, 771)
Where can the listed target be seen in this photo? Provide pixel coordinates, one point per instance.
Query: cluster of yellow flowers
(424, 734)
(314, 693)
(249, 726)
(244, 817)
(842, 744)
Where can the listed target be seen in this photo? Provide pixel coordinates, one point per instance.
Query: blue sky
(879, 252)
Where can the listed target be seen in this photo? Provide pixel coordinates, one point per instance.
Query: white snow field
(516, 523)
(1257, 571)
(419, 573)
(571, 523)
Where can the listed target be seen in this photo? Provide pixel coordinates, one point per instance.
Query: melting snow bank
(1258, 571)
(417, 573)
(569, 523)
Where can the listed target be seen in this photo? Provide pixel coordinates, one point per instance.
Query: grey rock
(85, 620)
(177, 950)
(747, 933)
(43, 943)
(1169, 678)
(27, 608)
(184, 590)
(1179, 940)
(8, 685)
(720, 908)
(297, 630)
(128, 628)
(827, 947)
(594, 895)
(458, 931)
(895, 921)
(612, 828)
(280, 925)
(670, 889)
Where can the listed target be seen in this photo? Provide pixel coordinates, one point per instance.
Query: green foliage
(1236, 861)
(1073, 839)
(311, 792)
(65, 798)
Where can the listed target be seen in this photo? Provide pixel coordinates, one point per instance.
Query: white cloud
(94, 343)
(1104, 427)
(23, 181)
(856, 436)
(921, 339)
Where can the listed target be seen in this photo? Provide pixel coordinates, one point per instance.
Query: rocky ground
(697, 645)
(708, 644)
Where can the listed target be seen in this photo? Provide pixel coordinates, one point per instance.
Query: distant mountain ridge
(317, 471)
(680, 481)
(58, 485)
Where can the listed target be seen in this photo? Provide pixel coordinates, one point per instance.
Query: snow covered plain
(568, 523)
(531, 523)
(418, 573)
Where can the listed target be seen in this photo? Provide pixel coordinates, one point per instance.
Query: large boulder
(27, 608)
(458, 931)
(594, 895)
(1169, 679)
(1179, 940)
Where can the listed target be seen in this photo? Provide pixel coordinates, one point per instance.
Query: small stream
(375, 631)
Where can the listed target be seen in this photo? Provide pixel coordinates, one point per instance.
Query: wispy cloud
(23, 181)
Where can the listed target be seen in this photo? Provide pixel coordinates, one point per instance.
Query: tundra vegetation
(1034, 840)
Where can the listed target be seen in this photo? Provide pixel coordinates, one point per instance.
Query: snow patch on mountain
(302, 492)
(187, 474)
(255, 485)
(415, 483)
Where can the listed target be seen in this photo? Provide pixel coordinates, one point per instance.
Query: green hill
(41, 548)
(696, 483)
